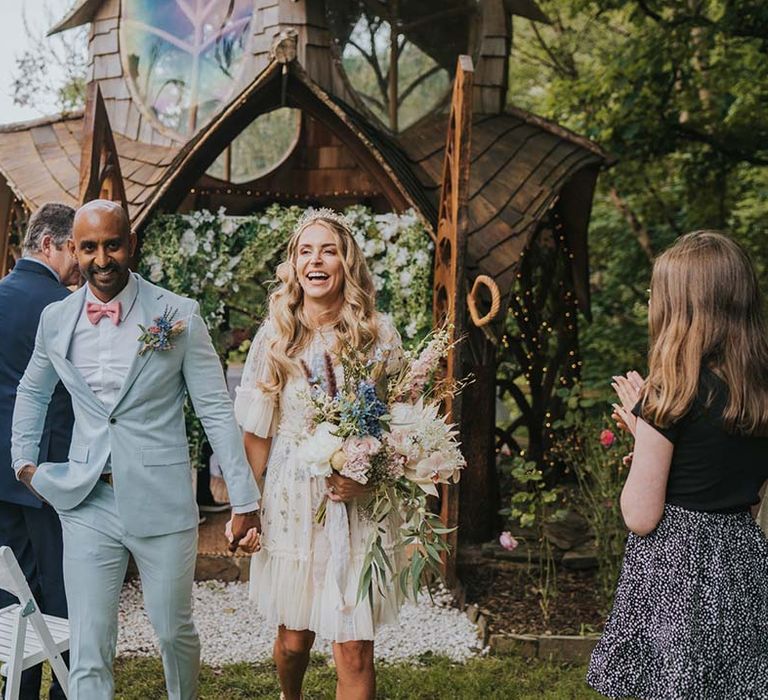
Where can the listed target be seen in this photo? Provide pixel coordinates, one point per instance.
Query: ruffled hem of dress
(255, 412)
(284, 590)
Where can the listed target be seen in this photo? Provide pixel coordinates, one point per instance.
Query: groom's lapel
(66, 321)
(149, 302)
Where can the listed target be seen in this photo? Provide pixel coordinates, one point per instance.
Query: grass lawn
(507, 678)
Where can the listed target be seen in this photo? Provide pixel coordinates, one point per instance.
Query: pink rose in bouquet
(359, 451)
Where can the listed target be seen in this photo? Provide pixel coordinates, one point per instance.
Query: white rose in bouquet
(317, 450)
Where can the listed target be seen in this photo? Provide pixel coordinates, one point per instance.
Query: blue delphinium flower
(371, 410)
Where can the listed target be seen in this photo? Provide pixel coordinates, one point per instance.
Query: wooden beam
(6, 210)
(100, 176)
(449, 285)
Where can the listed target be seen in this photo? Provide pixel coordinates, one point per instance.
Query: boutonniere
(163, 329)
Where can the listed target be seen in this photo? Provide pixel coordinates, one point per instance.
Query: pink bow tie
(96, 311)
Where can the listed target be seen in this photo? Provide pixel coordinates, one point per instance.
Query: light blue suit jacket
(144, 431)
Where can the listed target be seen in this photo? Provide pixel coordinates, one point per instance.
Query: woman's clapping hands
(627, 388)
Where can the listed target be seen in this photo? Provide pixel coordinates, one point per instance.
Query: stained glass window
(183, 57)
(260, 147)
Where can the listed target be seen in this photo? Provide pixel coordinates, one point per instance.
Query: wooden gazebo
(483, 175)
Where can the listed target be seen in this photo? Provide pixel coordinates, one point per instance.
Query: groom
(126, 488)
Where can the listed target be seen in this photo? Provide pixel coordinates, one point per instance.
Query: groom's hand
(243, 531)
(25, 477)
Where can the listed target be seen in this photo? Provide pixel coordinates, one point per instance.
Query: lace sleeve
(255, 411)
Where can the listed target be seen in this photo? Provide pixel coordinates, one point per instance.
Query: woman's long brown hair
(706, 309)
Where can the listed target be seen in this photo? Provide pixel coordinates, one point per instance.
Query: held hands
(244, 530)
(342, 489)
(628, 390)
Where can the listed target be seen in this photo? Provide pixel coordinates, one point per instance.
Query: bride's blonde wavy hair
(706, 310)
(291, 329)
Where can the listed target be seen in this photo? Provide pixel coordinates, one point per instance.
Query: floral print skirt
(690, 617)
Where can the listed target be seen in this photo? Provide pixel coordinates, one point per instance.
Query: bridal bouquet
(382, 427)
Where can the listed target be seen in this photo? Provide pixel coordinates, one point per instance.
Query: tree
(63, 56)
(678, 92)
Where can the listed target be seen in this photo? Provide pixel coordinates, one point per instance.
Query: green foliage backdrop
(679, 93)
(227, 264)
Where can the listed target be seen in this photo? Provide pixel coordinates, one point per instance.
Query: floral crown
(310, 215)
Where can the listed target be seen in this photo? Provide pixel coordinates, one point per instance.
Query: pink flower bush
(507, 541)
(607, 438)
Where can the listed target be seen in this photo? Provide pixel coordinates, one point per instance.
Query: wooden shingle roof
(519, 166)
(41, 161)
(80, 13)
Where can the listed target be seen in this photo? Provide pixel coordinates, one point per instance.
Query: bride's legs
(354, 670)
(291, 654)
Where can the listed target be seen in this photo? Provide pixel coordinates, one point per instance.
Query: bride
(325, 295)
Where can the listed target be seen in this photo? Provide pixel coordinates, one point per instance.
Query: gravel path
(231, 630)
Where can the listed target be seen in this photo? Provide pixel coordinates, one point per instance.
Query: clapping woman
(690, 616)
(325, 296)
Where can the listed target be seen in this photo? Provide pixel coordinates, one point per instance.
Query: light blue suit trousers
(95, 562)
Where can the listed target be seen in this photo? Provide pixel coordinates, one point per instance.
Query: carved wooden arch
(449, 302)
(100, 176)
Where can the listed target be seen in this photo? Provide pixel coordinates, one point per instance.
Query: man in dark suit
(30, 527)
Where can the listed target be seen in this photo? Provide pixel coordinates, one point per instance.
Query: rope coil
(493, 288)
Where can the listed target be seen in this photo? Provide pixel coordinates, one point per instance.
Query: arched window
(183, 57)
(260, 147)
(399, 57)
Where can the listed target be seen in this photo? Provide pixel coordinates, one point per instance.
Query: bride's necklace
(323, 332)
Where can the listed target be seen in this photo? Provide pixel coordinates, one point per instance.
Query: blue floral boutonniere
(163, 329)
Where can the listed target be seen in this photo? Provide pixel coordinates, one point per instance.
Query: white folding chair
(27, 637)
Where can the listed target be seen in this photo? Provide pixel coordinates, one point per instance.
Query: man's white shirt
(103, 352)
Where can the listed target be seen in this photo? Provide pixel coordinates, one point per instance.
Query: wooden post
(100, 176)
(6, 211)
(449, 287)
(394, 57)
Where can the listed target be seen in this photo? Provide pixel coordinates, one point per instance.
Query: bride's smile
(318, 264)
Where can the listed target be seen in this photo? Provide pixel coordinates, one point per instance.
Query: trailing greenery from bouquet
(593, 453)
(227, 264)
(533, 505)
(381, 427)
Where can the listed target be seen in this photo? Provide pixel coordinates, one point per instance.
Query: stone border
(550, 647)
(222, 567)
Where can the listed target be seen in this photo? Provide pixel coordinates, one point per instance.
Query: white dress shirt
(103, 353)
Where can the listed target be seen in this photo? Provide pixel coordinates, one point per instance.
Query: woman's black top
(712, 470)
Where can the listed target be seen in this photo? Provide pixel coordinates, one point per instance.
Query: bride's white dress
(292, 579)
